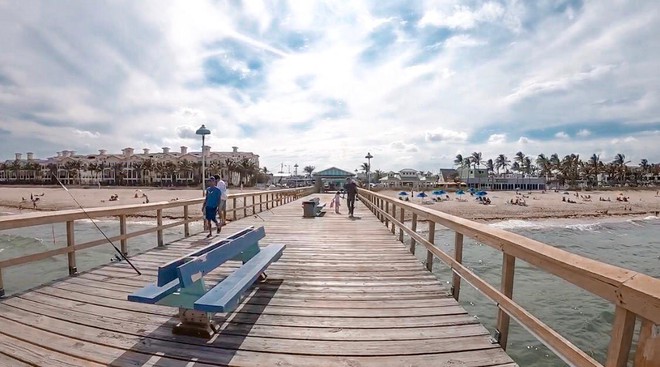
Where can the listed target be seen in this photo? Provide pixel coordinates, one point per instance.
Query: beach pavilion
(332, 178)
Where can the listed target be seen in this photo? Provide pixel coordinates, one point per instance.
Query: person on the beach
(222, 209)
(336, 202)
(351, 191)
(210, 206)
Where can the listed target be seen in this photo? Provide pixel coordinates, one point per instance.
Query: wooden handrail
(277, 197)
(634, 292)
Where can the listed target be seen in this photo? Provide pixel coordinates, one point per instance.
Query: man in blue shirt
(210, 206)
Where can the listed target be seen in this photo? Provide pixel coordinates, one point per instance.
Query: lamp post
(369, 156)
(203, 131)
(295, 171)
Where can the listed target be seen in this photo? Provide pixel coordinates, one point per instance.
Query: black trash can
(309, 209)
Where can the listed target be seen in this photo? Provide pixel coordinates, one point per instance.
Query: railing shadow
(161, 347)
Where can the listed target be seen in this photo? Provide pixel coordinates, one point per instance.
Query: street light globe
(203, 131)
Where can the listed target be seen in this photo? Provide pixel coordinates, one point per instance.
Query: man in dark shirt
(351, 191)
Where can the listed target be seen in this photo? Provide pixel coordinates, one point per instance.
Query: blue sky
(322, 83)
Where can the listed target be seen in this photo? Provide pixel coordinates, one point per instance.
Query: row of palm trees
(569, 169)
(146, 172)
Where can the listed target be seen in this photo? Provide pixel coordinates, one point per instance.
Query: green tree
(309, 169)
(502, 162)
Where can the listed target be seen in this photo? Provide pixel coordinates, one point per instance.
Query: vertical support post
(244, 206)
(159, 222)
(393, 216)
(254, 204)
(401, 228)
(267, 201)
(508, 270)
(122, 231)
(2, 285)
(71, 242)
(458, 256)
(429, 254)
(414, 229)
(623, 328)
(648, 346)
(233, 207)
(186, 226)
(387, 211)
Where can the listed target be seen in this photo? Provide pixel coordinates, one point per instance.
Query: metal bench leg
(194, 323)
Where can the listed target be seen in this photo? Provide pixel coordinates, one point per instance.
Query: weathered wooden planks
(344, 293)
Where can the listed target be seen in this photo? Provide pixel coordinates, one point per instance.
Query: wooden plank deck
(345, 293)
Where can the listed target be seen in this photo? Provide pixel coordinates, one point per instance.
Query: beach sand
(539, 205)
(543, 205)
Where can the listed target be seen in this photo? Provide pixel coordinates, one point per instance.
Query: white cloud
(583, 133)
(523, 140)
(462, 17)
(561, 135)
(403, 147)
(86, 134)
(440, 135)
(497, 139)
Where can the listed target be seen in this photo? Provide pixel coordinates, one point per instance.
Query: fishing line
(97, 227)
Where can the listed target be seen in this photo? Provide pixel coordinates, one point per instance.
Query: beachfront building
(478, 178)
(409, 178)
(165, 168)
(331, 179)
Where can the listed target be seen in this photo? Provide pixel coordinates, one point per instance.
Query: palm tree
(247, 169)
(185, 166)
(378, 174)
(501, 162)
(476, 159)
(593, 165)
(139, 168)
(620, 163)
(544, 165)
(459, 160)
(16, 166)
(309, 169)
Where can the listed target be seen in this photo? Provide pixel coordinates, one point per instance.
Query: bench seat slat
(168, 272)
(225, 296)
(193, 270)
(152, 293)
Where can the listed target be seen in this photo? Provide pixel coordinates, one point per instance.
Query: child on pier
(336, 201)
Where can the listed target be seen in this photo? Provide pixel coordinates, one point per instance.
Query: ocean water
(582, 318)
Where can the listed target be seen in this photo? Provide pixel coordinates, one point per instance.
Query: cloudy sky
(323, 83)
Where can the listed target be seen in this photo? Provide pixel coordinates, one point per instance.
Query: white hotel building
(164, 168)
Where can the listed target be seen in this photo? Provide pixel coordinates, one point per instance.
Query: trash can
(309, 209)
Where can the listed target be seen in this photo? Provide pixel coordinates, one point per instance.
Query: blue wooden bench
(316, 208)
(181, 281)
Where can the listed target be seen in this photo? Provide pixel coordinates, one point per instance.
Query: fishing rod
(97, 227)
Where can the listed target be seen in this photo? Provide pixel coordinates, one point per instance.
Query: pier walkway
(345, 293)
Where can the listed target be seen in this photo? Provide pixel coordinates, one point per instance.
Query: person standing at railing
(211, 204)
(222, 209)
(351, 191)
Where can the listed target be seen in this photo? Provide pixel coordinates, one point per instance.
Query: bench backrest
(168, 272)
(195, 269)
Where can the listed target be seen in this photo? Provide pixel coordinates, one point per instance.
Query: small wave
(584, 226)
(517, 223)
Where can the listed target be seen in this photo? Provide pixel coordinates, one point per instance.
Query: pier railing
(635, 296)
(238, 206)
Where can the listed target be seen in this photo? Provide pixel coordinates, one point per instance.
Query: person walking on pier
(222, 209)
(351, 191)
(210, 206)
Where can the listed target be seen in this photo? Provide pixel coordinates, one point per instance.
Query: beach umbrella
(481, 193)
(472, 189)
(460, 192)
(421, 195)
(439, 192)
(403, 193)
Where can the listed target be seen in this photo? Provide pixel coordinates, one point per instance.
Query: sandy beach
(538, 205)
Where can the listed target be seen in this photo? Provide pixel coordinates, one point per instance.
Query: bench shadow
(162, 348)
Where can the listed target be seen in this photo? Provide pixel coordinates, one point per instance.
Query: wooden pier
(345, 293)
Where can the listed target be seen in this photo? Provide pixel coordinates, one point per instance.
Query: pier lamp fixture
(203, 131)
(295, 170)
(369, 156)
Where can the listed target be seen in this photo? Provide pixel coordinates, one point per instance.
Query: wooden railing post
(387, 211)
(648, 346)
(186, 226)
(254, 204)
(413, 227)
(458, 256)
(233, 208)
(508, 270)
(267, 201)
(2, 285)
(71, 242)
(122, 231)
(393, 216)
(429, 254)
(401, 228)
(621, 340)
(159, 222)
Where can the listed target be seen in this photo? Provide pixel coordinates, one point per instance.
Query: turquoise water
(582, 318)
